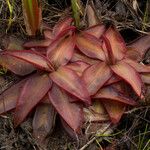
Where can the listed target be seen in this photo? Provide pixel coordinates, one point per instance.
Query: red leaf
(32, 92)
(8, 98)
(114, 109)
(62, 25)
(48, 34)
(35, 44)
(61, 51)
(32, 57)
(114, 78)
(130, 75)
(95, 77)
(117, 43)
(133, 54)
(69, 130)
(113, 95)
(43, 121)
(90, 46)
(137, 66)
(141, 45)
(70, 112)
(16, 65)
(71, 82)
(78, 67)
(81, 57)
(96, 30)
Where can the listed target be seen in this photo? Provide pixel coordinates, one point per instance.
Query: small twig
(136, 109)
(88, 143)
(94, 138)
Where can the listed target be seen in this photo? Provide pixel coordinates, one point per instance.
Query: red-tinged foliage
(113, 94)
(8, 99)
(18, 67)
(60, 52)
(130, 75)
(30, 95)
(61, 26)
(31, 57)
(96, 30)
(70, 81)
(140, 45)
(90, 46)
(80, 74)
(117, 44)
(78, 67)
(95, 77)
(70, 112)
(77, 56)
(36, 44)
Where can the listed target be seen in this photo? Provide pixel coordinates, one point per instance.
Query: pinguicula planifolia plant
(81, 74)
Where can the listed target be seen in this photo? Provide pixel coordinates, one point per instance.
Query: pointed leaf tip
(62, 25)
(96, 30)
(117, 43)
(96, 76)
(31, 57)
(71, 82)
(90, 46)
(61, 51)
(130, 75)
(70, 112)
(32, 92)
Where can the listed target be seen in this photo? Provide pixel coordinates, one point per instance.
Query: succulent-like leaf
(78, 67)
(141, 45)
(16, 65)
(60, 52)
(32, 57)
(90, 46)
(95, 76)
(115, 110)
(117, 43)
(8, 98)
(130, 75)
(43, 121)
(81, 57)
(32, 92)
(62, 25)
(133, 54)
(113, 95)
(32, 15)
(138, 66)
(114, 79)
(96, 30)
(70, 112)
(71, 82)
(48, 34)
(35, 44)
(68, 129)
